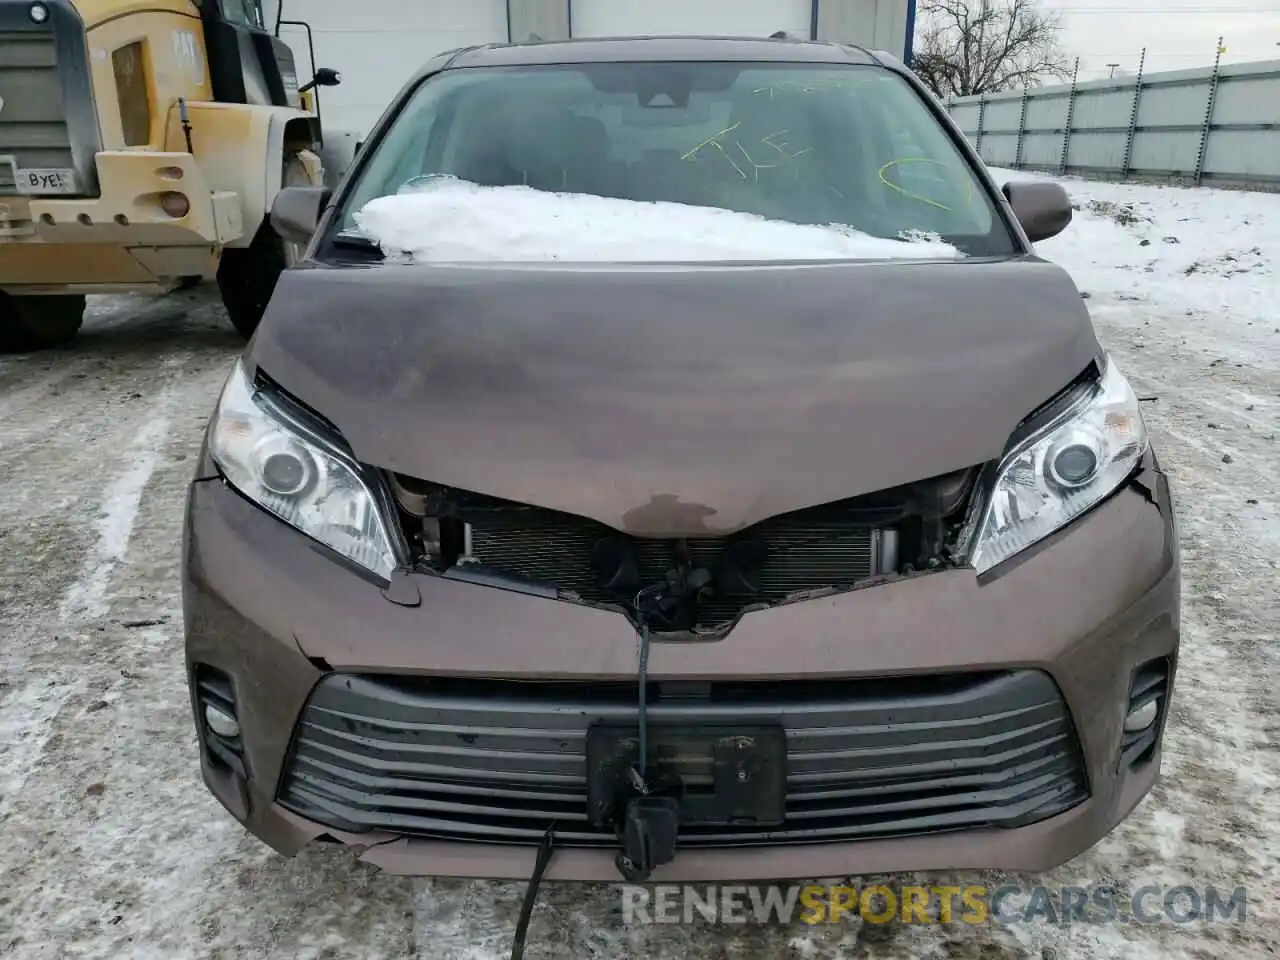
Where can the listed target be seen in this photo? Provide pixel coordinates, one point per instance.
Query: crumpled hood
(676, 400)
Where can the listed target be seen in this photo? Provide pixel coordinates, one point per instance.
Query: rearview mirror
(295, 212)
(1042, 207)
(325, 77)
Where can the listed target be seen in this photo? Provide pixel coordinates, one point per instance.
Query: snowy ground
(112, 848)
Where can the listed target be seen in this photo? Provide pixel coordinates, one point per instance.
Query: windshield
(806, 144)
(245, 13)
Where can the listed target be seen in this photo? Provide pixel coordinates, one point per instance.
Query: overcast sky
(1178, 34)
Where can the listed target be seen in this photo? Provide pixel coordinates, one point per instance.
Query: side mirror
(1043, 208)
(296, 211)
(325, 77)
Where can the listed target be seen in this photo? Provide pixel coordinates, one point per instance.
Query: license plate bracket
(730, 775)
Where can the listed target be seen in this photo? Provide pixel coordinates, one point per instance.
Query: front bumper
(120, 239)
(1088, 607)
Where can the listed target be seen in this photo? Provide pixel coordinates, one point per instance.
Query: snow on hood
(452, 220)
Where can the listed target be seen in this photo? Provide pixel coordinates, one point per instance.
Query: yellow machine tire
(247, 276)
(30, 323)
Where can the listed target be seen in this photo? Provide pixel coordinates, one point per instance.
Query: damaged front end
(689, 761)
(694, 587)
(664, 448)
(643, 784)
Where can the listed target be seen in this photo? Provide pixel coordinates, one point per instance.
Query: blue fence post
(909, 46)
(1207, 127)
(1133, 117)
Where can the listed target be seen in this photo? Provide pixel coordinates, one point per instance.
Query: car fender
(243, 148)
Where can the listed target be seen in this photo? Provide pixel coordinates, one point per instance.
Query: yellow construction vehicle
(141, 145)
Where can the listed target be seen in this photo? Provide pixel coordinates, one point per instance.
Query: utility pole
(1113, 67)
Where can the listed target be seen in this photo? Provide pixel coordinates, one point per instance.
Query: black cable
(642, 711)
(641, 768)
(648, 824)
(545, 849)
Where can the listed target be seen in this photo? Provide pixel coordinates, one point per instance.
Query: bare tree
(984, 46)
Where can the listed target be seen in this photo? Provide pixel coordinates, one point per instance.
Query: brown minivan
(700, 568)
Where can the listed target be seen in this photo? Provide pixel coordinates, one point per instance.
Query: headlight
(1062, 471)
(290, 471)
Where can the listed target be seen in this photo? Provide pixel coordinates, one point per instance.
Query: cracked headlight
(289, 469)
(1061, 471)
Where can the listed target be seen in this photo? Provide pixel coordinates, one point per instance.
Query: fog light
(221, 722)
(38, 13)
(175, 204)
(1139, 718)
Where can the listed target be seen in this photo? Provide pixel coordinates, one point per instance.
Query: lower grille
(496, 761)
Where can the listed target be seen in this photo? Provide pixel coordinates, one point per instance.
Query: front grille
(496, 761)
(33, 122)
(808, 550)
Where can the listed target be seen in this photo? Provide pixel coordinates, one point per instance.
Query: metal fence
(1217, 124)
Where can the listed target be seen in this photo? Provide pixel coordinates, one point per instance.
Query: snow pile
(1201, 260)
(453, 220)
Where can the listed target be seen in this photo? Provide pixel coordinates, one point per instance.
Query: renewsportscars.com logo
(974, 904)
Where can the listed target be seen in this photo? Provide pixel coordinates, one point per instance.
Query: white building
(378, 44)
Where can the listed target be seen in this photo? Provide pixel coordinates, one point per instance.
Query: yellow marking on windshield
(844, 84)
(771, 140)
(712, 141)
(915, 196)
(742, 173)
(756, 167)
(780, 152)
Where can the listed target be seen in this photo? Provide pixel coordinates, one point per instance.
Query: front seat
(485, 156)
(591, 167)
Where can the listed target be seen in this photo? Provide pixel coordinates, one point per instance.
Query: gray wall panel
(1240, 145)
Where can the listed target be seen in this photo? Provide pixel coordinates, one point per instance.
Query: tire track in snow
(31, 392)
(114, 849)
(85, 598)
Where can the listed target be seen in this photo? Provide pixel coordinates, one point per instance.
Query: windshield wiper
(350, 238)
